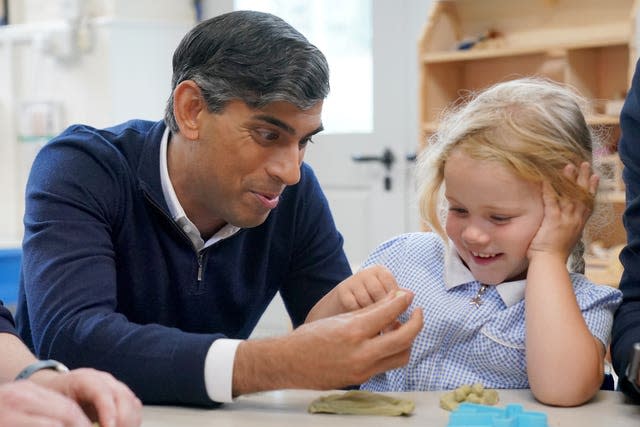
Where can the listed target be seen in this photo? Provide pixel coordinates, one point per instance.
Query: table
(289, 408)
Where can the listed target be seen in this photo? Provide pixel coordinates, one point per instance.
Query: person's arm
(564, 359)
(626, 324)
(364, 288)
(14, 356)
(68, 307)
(329, 353)
(103, 398)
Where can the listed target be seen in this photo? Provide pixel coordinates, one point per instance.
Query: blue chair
(10, 260)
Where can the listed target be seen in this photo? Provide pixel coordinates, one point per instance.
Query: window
(342, 30)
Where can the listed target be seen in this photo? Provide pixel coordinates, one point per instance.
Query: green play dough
(357, 402)
(475, 393)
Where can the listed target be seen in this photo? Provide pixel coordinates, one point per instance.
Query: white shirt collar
(176, 210)
(456, 274)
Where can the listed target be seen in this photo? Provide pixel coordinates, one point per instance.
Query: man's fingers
(383, 313)
(393, 349)
(393, 361)
(115, 403)
(129, 407)
(38, 401)
(400, 338)
(392, 327)
(101, 396)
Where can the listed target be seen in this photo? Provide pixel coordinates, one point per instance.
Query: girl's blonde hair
(532, 126)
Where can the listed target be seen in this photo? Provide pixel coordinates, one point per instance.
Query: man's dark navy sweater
(110, 281)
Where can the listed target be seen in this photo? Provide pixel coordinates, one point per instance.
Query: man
(626, 323)
(50, 397)
(152, 250)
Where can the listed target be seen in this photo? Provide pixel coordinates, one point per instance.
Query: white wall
(121, 69)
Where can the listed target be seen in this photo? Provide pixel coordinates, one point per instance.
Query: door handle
(387, 158)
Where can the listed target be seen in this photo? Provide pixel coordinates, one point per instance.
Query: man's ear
(187, 105)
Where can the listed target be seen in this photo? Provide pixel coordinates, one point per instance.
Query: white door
(372, 200)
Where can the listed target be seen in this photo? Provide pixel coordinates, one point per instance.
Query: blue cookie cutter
(476, 415)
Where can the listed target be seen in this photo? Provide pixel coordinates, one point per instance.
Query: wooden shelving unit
(588, 44)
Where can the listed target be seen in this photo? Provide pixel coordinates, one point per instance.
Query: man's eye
(266, 135)
(303, 143)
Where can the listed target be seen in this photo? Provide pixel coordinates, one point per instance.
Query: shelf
(589, 45)
(554, 51)
(611, 197)
(602, 120)
(593, 120)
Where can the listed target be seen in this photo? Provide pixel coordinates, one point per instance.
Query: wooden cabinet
(589, 44)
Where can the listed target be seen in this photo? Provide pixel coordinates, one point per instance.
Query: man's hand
(101, 396)
(330, 353)
(24, 403)
(364, 288)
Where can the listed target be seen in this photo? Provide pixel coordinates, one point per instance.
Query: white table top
(289, 408)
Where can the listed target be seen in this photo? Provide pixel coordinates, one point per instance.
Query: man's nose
(284, 165)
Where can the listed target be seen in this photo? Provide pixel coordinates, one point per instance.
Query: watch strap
(40, 365)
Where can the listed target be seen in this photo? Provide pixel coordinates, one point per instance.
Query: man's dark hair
(251, 56)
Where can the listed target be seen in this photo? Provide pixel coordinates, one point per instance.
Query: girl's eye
(498, 218)
(458, 211)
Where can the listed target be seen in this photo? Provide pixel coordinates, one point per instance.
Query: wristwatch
(39, 365)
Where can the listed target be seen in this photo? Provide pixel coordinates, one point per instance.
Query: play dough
(358, 402)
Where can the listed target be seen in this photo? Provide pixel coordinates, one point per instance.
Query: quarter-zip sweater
(110, 281)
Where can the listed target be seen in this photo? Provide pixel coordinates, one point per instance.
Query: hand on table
(24, 403)
(99, 394)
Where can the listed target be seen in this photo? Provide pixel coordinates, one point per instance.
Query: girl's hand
(563, 219)
(364, 288)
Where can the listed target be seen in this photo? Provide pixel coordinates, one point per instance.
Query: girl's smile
(493, 216)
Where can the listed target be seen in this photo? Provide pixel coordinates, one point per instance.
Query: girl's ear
(187, 105)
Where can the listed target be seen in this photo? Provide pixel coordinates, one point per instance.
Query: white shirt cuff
(218, 369)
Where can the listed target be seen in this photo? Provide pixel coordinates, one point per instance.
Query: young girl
(500, 305)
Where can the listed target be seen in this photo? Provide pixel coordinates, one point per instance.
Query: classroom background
(395, 65)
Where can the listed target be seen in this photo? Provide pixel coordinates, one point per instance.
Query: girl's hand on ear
(564, 219)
